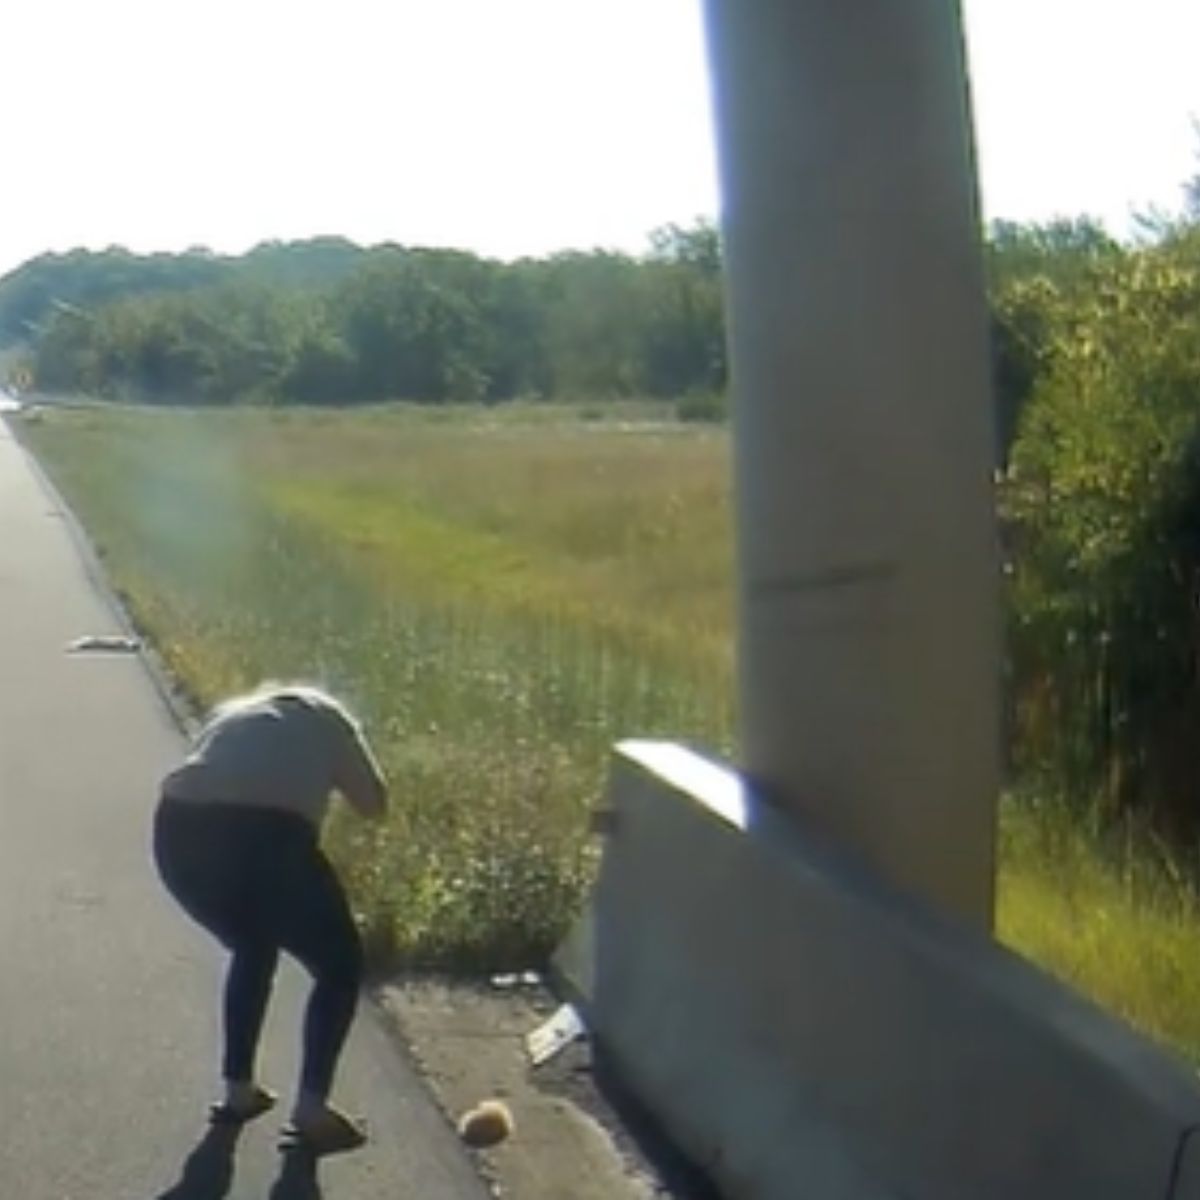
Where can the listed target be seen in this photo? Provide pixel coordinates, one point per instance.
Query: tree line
(1096, 369)
(329, 322)
(1097, 350)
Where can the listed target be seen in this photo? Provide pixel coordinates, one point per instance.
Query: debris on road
(104, 643)
(554, 1035)
(516, 979)
(487, 1124)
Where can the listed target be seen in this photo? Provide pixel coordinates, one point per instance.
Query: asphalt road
(108, 997)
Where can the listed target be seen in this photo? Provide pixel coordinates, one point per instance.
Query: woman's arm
(359, 777)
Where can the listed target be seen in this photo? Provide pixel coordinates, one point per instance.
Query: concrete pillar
(868, 619)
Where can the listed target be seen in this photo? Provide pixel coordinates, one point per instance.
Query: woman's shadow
(208, 1171)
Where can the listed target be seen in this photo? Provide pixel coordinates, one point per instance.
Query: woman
(236, 841)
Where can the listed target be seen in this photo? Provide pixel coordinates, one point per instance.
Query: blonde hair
(271, 689)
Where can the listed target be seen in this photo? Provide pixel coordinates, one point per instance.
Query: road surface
(107, 994)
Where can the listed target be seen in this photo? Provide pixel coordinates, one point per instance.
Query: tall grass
(503, 596)
(1113, 913)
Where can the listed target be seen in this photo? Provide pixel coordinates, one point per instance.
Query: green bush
(1102, 511)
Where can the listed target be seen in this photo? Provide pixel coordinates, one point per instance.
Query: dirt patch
(575, 1135)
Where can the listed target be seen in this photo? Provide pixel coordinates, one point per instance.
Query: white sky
(507, 126)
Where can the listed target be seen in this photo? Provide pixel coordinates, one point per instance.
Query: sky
(509, 127)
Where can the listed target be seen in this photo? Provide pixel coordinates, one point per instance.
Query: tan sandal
(225, 1113)
(331, 1133)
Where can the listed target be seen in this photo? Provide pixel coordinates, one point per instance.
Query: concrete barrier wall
(805, 1032)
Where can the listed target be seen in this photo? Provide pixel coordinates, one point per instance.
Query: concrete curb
(789, 1016)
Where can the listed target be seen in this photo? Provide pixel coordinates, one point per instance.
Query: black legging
(257, 880)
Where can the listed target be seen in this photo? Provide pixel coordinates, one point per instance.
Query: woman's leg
(311, 920)
(316, 927)
(247, 992)
(205, 857)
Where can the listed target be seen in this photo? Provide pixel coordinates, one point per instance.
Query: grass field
(503, 595)
(501, 600)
